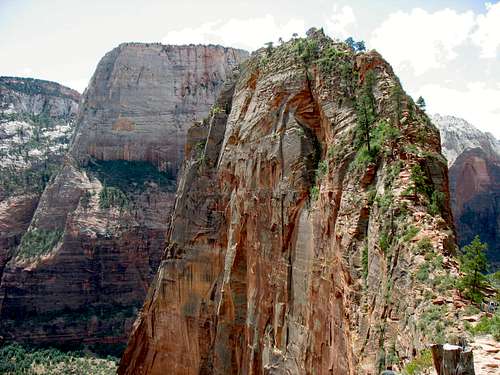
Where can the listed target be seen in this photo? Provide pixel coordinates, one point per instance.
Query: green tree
(421, 103)
(396, 99)
(366, 108)
(473, 266)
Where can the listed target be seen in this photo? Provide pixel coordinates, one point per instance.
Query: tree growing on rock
(366, 109)
(473, 266)
(421, 103)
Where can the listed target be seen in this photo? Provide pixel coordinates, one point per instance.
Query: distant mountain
(36, 125)
(474, 165)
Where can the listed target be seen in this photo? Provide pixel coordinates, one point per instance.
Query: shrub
(437, 203)
(487, 326)
(314, 193)
(37, 242)
(410, 233)
(112, 197)
(419, 364)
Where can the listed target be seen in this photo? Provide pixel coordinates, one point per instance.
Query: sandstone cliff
(96, 238)
(474, 161)
(312, 218)
(36, 125)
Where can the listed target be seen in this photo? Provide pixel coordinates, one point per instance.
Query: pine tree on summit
(421, 103)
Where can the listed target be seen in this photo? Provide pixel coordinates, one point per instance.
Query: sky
(447, 51)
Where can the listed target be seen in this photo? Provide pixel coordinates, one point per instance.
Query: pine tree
(366, 108)
(421, 103)
(473, 265)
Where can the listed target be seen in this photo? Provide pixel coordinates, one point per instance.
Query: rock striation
(95, 241)
(36, 124)
(474, 162)
(143, 97)
(308, 212)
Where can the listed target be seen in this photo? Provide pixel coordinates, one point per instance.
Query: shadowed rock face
(286, 250)
(105, 215)
(474, 162)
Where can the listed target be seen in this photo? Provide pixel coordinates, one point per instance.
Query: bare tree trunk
(453, 360)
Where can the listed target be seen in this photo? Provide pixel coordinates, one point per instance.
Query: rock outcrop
(474, 162)
(97, 236)
(36, 125)
(37, 97)
(297, 244)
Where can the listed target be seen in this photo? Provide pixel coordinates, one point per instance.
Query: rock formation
(96, 238)
(312, 215)
(474, 162)
(36, 124)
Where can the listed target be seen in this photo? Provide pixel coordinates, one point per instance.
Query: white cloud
(25, 72)
(487, 35)
(422, 40)
(341, 22)
(478, 104)
(77, 84)
(249, 34)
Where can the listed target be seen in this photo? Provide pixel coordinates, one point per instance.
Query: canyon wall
(311, 226)
(36, 124)
(95, 241)
(474, 162)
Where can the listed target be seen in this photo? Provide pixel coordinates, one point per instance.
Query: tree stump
(453, 359)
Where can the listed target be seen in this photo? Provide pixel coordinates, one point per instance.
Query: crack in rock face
(298, 227)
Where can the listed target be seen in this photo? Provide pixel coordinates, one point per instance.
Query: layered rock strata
(304, 237)
(96, 238)
(474, 162)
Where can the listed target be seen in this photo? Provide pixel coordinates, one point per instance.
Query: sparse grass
(487, 326)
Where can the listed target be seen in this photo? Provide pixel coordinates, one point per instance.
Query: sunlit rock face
(291, 251)
(474, 162)
(143, 97)
(98, 233)
(36, 124)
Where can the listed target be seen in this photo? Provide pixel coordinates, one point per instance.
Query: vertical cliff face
(474, 161)
(143, 97)
(296, 245)
(96, 238)
(36, 125)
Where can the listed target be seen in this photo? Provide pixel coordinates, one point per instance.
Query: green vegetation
(38, 242)
(424, 246)
(112, 197)
(314, 193)
(437, 203)
(473, 265)
(487, 326)
(130, 176)
(16, 359)
(421, 103)
(365, 109)
(419, 364)
(215, 109)
(410, 233)
(356, 46)
(364, 261)
(433, 323)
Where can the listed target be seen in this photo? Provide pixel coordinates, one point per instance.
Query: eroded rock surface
(293, 249)
(97, 236)
(474, 161)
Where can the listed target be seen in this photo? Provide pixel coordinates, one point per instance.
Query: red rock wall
(264, 274)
